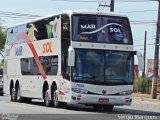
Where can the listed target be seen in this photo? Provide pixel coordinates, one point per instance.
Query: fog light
(74, 98)
(130, 100)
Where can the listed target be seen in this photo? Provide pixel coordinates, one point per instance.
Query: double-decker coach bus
(71, 57)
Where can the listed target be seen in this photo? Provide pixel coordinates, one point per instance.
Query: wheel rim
(18, 94)
(55, 97)
(47, 98)
(13, 94)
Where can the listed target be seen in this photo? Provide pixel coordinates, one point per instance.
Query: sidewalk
(144, 102)
(145, 97)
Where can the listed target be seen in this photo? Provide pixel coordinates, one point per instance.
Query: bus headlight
(77, 90)
(129, 92)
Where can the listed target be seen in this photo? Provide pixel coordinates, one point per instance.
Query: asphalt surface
(37, 111)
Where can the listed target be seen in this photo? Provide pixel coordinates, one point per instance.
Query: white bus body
(47, 58)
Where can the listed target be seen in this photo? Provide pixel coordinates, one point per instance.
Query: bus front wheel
(108, 107)
(97, 107)
(57, 103)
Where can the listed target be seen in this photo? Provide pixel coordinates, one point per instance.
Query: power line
(81, 0)
(142, 40)
(104, 0)
(139, 11)
(15, 17)
(18, 14)
(143, 21)
(142, 45)
(137, 1)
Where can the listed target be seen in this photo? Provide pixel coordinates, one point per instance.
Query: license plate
(103, 100)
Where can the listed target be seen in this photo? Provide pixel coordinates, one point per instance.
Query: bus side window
(65, 43)
(65, 67)
(65, 33)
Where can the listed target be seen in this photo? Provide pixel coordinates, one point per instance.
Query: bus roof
(70, 12)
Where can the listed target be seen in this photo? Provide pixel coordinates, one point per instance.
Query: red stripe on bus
(24, 36)
(61, 93)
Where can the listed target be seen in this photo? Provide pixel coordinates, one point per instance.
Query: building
(150, 69)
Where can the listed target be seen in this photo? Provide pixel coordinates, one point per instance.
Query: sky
(137, 12)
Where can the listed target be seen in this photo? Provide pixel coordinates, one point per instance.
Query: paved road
(37, 111)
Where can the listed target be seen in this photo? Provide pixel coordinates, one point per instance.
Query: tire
(1, 94)
(97, 107)
(108, 107)
(47, 99)
(13, 95)
(56, 103)
(62, 104)
(18, 97)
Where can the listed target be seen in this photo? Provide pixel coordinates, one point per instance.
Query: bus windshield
(103, 66)
(101, 29)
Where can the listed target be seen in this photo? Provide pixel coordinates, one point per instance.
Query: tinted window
(49, 63)
(40, 30)
(65, 33)
(102, 29)
(103, 67)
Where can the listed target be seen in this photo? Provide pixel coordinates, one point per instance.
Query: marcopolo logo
(88, 26)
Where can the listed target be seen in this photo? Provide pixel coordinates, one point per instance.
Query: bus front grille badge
(103, 92)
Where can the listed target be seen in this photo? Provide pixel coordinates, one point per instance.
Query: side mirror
(140, 60)
(71, 56)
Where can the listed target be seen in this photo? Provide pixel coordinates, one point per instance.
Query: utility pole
(112, 6)
(156, 57)
(144, 54)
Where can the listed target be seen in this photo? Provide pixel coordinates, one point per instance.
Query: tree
(2, 39)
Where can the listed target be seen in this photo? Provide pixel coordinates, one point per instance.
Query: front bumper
(101, 99)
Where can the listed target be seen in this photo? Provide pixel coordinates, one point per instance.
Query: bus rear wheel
(56, 103)
(47, 99)
(18, 98)
(13, 94)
